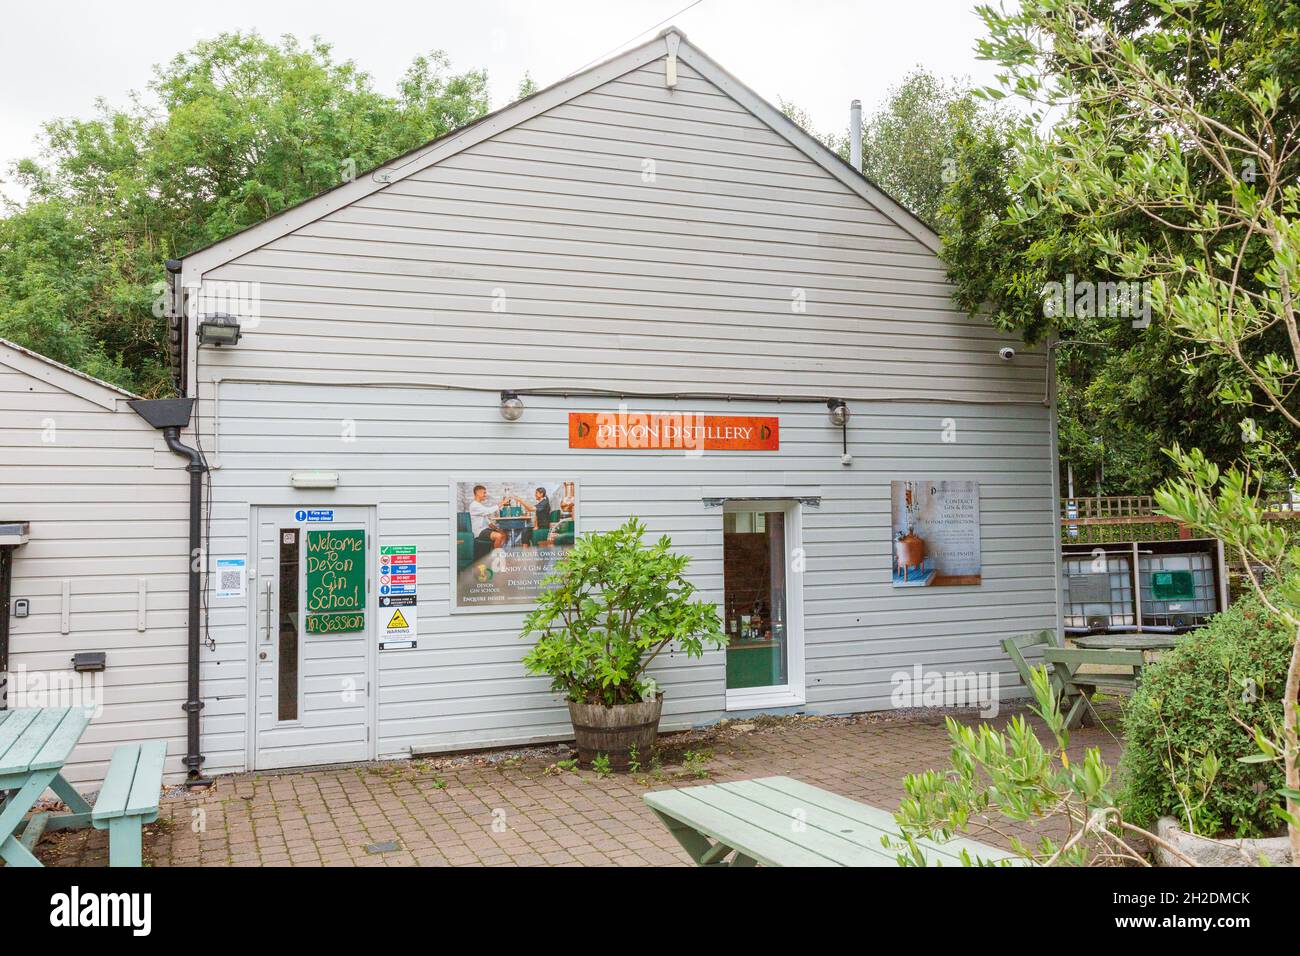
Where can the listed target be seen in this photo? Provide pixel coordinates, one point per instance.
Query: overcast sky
(57, 56)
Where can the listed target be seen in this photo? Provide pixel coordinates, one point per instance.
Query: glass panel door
(755, 595)
(313, 637)
(288, 658)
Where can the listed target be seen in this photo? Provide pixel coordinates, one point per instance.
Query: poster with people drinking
(509, 534)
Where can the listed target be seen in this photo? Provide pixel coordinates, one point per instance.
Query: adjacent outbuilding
(94, 561)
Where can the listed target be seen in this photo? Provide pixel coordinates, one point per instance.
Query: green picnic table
(780, 821)
(34, 746)
(1124, 656)
(1126, 642)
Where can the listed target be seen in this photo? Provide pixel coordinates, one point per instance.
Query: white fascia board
(807, 144)
(61, 376)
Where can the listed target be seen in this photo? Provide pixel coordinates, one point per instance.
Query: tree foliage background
(911, 143)
(1125, 393)
(229, 133)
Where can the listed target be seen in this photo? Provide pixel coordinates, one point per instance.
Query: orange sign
(666, 431)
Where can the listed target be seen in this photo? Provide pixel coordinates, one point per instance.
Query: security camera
(1006, 353)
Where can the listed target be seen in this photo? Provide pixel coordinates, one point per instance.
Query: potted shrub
(610, 607)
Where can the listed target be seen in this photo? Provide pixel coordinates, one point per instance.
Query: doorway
(762, 602)
(313, 630)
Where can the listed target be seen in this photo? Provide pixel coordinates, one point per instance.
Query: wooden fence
(1133, 518)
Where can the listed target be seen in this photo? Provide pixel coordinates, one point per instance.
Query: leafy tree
(1183, 125)
(233, 131)
(1123, 392)
(527, 87)
(45, 304)
(1010, 775)
(910, 145)
(1128, 393)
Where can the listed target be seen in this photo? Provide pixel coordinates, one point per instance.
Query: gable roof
(61, 376)
(670, 42)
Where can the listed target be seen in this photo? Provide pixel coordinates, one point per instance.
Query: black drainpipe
(6, 575)
(171, 415)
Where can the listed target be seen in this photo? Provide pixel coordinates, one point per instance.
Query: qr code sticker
(230, 580)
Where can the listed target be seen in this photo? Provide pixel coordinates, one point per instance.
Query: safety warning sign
(398, 595)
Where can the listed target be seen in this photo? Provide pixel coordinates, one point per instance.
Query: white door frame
(257, 607)
(794, 692)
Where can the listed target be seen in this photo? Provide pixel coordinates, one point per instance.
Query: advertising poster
(508, 533)
(936, 533)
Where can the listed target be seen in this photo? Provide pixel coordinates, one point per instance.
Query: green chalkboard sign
(336, 580)
(1173, 585)
(336, 623)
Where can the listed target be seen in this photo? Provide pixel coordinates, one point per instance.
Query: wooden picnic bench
(34, 746)
(129, 799)
(1074, 686)
(780, 821)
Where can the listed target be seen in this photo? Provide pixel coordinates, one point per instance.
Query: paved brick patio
(518, 808)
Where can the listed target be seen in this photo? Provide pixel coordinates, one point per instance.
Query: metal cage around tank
(1142, 585)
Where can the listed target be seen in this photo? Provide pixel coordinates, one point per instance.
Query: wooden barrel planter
(615, 731)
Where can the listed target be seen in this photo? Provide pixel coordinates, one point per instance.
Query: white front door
(312, 636)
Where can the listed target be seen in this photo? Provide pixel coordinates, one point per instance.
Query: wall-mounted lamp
(839, 412)
(218, 329)
(314, 479)
(512, 406)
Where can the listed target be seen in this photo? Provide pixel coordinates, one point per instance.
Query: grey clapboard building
(97, 563)
(645, 247)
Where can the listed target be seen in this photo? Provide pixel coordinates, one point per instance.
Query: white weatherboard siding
(465, 686)
(600, 278)
(621, 236)
(107, 505)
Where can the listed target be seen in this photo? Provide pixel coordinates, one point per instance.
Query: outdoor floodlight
(512, 407)
(218, 329)
(839, 412)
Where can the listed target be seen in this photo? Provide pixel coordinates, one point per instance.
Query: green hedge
(1186, 703)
